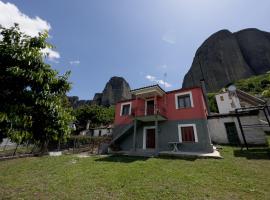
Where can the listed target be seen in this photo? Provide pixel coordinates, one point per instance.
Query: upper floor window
(125, 109)
(184, 100)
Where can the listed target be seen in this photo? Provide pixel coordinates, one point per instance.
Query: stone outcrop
(226, 57)
(116, 89)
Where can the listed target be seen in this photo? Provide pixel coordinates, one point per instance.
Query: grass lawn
(240, 175)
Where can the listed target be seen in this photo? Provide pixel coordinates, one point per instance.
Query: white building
(227, 102)
(224, 127)
(98, 131)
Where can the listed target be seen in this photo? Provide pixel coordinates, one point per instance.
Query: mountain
(116, 89)
(226, 57)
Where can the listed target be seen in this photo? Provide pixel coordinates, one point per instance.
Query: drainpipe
(205, 95)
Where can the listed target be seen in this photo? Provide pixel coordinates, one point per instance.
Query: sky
(146, 42)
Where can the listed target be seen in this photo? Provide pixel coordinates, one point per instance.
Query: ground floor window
(187, 133)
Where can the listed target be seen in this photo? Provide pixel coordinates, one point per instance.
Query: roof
(146, 87)
(253, 100)
(168, 92)
(183, 89)
(233, 114)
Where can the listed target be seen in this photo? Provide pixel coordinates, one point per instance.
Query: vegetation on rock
(256, 85)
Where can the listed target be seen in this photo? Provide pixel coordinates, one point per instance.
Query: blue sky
(137, 39)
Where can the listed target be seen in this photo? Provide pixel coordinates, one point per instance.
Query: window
(187, 133)
(221, 98)
(184, 100)
(125, 109)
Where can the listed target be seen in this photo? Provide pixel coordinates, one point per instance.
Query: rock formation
(116, 89)
(226, 57)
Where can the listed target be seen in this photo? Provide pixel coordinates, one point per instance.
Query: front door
(150, 107)
(150, 138)
(232, 133)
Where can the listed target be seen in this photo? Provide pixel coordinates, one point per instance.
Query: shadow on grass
(123, 159)
(253, 153)
(186, 158)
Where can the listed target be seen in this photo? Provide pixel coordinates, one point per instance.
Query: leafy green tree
(96, 115)
(32, 93)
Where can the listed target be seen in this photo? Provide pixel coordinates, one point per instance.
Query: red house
(155, 121)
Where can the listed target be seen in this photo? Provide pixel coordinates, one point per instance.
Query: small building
(154, 119)
(101, 131)
(242, 118)
(98, 131)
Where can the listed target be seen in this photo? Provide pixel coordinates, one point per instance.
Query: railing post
(155, 105)
(134, 134)
(156, 136)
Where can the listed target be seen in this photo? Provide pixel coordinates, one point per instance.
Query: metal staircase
(121, 131)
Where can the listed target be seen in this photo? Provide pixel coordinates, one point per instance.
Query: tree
(97, 115)
(32, 93)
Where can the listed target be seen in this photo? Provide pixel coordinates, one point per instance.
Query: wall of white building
(253, 135)
(227, 102)
(102, 132)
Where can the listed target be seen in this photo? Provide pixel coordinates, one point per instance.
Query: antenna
(165, 76)
(165, 99)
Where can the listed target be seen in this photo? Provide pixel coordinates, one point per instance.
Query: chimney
(205, 95)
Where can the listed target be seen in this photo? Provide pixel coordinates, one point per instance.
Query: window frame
(145, 105)
(194, 131)
(183, 94)
(122, 105)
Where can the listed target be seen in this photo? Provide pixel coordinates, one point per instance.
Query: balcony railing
(140, 111)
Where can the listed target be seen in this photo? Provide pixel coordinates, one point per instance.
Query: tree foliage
(96, 115)
(212, 102)
(32, 93)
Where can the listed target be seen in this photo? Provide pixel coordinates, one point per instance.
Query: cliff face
(116, 89)
(226, 57)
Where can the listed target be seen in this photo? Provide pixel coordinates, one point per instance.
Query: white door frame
(144, 134)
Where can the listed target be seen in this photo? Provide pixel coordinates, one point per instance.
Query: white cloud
(158, 81)
(52, 55)
(169, 37)
(10, 14)
(74, 62)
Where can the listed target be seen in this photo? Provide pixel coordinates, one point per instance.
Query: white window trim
(145, 105)
(127, 103)
(182, 94)
(144, 134)
(187, 125)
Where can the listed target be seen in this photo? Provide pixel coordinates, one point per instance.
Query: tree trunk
(15, 149)
(44, 147)
(59, 145)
